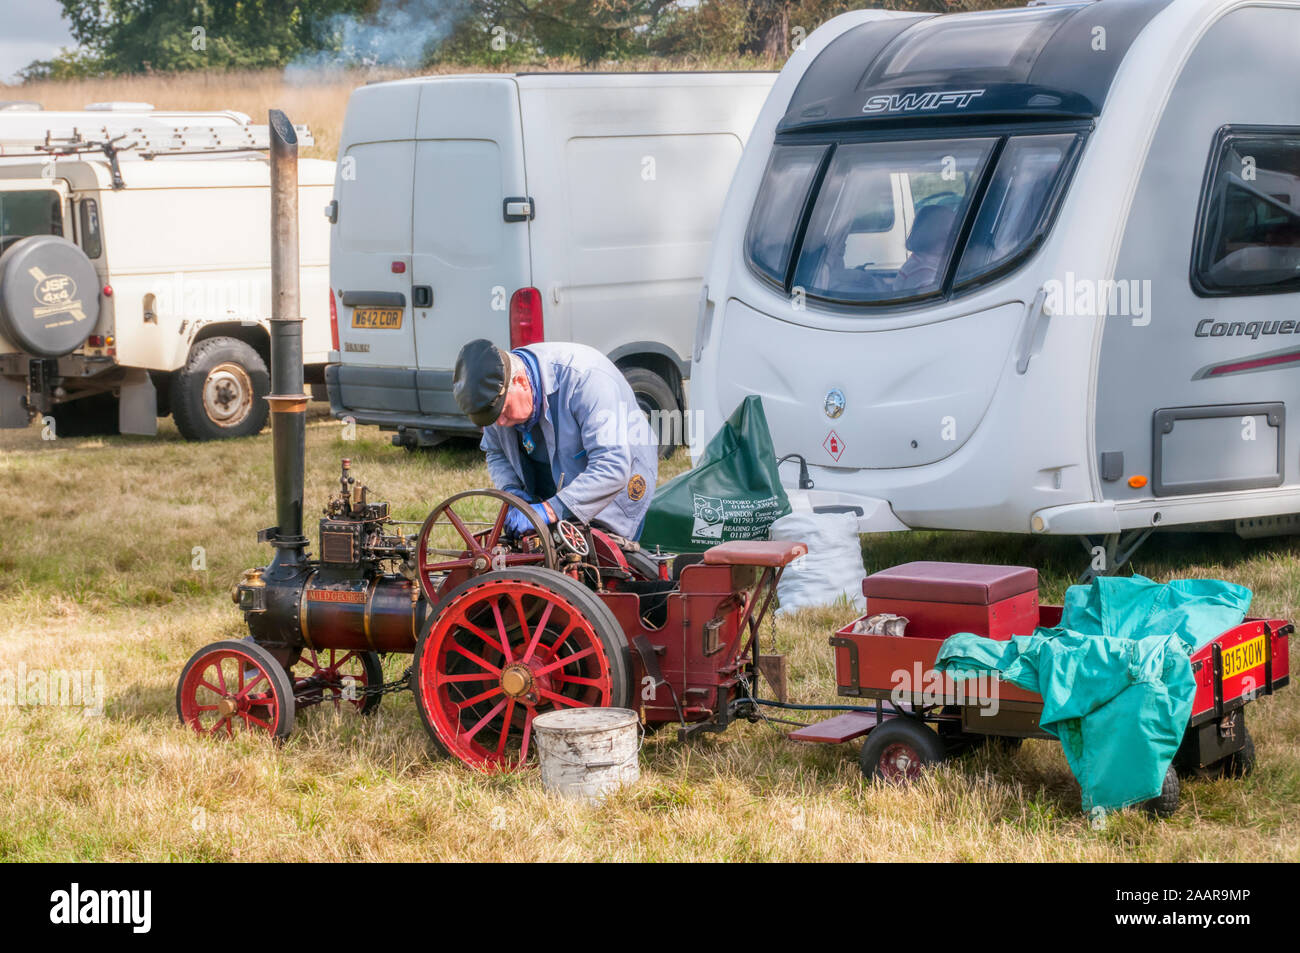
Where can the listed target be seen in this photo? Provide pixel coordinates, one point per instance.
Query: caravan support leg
(1108, 554)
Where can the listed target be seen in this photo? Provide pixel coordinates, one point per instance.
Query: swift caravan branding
(920, 102)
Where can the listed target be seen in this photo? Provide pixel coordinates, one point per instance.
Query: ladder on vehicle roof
(142, 140)
(146, 140)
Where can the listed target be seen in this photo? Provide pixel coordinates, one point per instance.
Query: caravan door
(470, 251)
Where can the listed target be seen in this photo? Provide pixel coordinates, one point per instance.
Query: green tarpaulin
(733, 491)
(1115, 675)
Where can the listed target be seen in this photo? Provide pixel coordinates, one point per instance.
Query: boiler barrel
(381, 613)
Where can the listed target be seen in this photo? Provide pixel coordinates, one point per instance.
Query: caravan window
(1017, 204)
(1249, 226)
(780, 206)
(886, 225)
(929, 183)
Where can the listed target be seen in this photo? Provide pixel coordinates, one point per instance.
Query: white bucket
(587, 753)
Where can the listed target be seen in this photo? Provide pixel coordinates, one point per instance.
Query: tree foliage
(133, 36)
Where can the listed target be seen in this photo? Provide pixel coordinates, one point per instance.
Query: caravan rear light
(526, 317)
(334, 322)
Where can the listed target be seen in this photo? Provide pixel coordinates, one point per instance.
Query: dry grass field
(96, 573)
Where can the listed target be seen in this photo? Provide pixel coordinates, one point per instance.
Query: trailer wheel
(1166, 802)
(235, 685)
(1242, 761)
(1002, 744)
(655, 397)
(501, 649)
(338, 677)
(899, 749)
(220, 391)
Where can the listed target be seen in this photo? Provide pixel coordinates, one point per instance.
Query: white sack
(832, 571)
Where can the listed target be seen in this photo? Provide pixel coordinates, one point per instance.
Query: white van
(523, 207)
(156, 226)
(1030, 270)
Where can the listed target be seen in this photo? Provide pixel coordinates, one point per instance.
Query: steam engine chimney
(287, 400)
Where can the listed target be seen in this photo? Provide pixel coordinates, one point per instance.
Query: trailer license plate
(1243, 657)
(381, 319)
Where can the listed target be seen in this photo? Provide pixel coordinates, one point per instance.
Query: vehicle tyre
(94, 416)
(1242, 761)
(162, 386)
(565, 648)
(898, 750)
(221, 391)
(1166, 802)
(235, 685)
(654, 395)
(339, 677)
(1002, 744)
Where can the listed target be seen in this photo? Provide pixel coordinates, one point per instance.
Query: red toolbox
(939, 599)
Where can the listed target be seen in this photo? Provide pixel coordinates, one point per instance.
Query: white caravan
(564, 207)
(1030, 270)
(166, 261)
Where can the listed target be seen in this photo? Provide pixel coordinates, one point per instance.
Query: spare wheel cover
(49, 296)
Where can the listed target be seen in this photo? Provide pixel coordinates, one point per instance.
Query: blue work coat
(604, 459)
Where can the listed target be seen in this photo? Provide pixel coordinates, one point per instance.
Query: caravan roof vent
(119, 107)
(19, 106)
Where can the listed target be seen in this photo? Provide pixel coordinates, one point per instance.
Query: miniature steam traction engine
(502, 627)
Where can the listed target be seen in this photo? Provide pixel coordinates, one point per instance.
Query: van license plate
(381, 319)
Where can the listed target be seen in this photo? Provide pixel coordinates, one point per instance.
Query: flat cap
(482, 376)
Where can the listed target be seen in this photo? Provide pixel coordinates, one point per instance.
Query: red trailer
(918, 716)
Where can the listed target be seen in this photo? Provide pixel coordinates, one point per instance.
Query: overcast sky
(32, 30)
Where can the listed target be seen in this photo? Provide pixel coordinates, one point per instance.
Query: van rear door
(468, 259)
(370, 252)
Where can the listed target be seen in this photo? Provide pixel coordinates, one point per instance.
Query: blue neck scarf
(534, 373)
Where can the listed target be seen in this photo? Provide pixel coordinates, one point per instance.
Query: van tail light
(334, 322)
(526, 317)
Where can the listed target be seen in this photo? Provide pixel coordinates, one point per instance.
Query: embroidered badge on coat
(636, 487)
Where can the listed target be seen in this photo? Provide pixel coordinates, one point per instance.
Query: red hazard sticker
(834, 445)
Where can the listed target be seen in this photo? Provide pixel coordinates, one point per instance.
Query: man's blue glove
(517, 523)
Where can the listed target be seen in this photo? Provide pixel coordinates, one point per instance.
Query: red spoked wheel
(507, 646)
(337, 677)
(234, 686)
(899, 750)
(465, 536)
